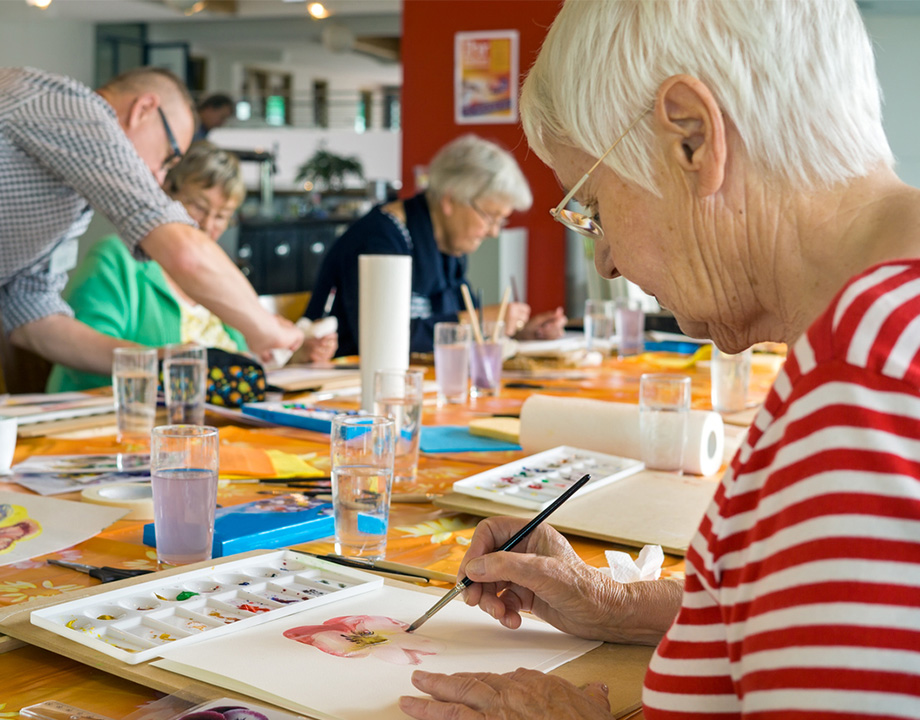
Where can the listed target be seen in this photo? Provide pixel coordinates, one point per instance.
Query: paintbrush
(514, 540)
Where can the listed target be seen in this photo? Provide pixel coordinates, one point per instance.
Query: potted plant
(329, 170)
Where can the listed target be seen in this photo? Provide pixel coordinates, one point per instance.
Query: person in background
(748, 184)
(138, 301)
(65, 149)
(474, 186)
(213, 112)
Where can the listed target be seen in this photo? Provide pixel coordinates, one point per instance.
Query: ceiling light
(39, 3)
(317, 10)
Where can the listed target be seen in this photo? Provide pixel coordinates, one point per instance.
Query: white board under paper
(264, 664)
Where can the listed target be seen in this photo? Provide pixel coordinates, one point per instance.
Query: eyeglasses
(580, 223)
(176, 152)
(498, 223)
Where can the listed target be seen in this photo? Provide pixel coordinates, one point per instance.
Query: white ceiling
(115, 11)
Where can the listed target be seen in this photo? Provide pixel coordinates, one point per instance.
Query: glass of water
(598, 324)
(363, 450)
(452, 361)
(664, 409)
(134, 381)
(185, 382)
(398, 394)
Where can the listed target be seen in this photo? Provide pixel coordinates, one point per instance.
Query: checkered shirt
(63, 154)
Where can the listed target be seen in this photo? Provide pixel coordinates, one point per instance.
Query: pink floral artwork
(358, 636)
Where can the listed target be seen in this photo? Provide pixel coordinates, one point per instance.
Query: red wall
(428, 116)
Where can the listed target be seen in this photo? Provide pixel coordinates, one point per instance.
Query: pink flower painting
(359, 636)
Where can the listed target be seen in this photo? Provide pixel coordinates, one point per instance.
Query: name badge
(64, 257)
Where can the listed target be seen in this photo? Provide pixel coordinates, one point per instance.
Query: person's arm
(203, 270)
(66, 340)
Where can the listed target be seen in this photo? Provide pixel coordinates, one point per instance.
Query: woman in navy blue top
(474, 185)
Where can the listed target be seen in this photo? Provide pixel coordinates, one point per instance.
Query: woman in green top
(137, 301)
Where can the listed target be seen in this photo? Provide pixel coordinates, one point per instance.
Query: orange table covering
(420, 534)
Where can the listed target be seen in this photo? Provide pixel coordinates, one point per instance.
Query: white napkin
(624, 569)
(311, 329)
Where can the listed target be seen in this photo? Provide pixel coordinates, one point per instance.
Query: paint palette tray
(139, 622)
(535, 481)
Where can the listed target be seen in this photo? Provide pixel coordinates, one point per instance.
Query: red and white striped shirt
(802, 597)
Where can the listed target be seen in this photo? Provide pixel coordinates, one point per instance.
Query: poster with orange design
(486, 77)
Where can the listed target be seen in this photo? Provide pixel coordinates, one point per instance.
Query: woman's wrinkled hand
(519, 695)
(542, 575)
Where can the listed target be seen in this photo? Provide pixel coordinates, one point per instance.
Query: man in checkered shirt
(65, 151)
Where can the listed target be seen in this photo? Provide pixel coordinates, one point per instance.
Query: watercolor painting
(16, 526)
(31, 525)
(359, 636)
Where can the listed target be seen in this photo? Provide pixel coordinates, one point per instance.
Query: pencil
(514, 540)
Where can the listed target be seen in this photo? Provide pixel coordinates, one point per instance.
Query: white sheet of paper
(264, 664)
(31, 525)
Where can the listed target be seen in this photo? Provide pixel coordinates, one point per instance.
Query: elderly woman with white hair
(733, 157)
(474, 186)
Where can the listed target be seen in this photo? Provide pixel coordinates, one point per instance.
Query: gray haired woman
(733, 158)
(473, 187)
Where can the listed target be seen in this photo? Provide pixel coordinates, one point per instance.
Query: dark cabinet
(284, 256)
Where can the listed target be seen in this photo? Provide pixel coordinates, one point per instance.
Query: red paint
(428, 116)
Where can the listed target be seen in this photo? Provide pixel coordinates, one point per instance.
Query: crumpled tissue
(311, 329)
(624, 569)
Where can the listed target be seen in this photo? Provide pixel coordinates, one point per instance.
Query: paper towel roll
(385, 292)
(548, 421)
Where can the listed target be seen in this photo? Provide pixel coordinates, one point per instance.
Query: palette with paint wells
(140, 622)
(535, 481)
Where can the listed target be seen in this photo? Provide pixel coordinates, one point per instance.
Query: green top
(117, 295)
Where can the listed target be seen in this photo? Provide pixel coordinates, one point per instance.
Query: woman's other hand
(519, 695)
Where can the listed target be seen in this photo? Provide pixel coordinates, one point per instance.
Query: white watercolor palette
(137, 623)
(535, 481)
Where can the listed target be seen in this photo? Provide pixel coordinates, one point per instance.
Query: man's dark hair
(216, 102)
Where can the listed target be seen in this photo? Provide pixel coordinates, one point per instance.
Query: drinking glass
(630, 326)
(363, 450)
(452, 361)
(398, 394)
(183, 474)
(731, 375)
(486, 361)
(598, 324)
(134, 381)
(664, 409)
(185, 381)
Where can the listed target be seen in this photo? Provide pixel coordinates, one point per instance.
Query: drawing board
(353, 660)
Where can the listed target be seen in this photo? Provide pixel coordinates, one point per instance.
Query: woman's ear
(447, 205)
(695, 130)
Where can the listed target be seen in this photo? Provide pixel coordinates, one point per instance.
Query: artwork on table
(362, 636)
(486, 77)
(31, 525)
(15, 526)
(359, 656)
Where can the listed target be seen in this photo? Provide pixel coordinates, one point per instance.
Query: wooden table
(420, 534)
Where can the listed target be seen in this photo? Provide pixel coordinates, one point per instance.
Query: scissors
(105, 574)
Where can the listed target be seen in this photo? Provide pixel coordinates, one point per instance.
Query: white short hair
(469, 168)
(795, 77)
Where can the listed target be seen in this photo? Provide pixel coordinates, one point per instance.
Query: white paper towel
(384, 294)
(609, 427)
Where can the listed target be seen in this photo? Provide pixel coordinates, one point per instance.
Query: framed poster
(486, 77)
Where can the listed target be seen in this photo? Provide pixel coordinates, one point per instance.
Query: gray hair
(795, 77)
(469, 168)
(209, 166)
